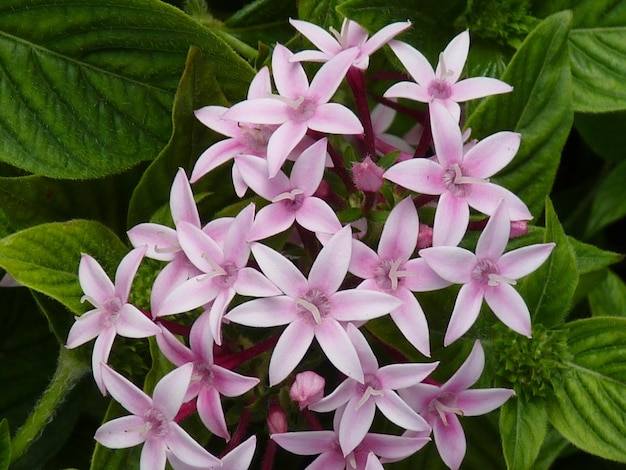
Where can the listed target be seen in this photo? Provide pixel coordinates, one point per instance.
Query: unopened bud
(518, 228)
(424, 236)
(276, 419)
(307, 389)
(367, 176)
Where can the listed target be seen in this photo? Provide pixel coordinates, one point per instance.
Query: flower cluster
(283, 140)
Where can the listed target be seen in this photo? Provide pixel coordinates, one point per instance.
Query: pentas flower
(312, 308)
(392, 271)
(442, 85)
(208, 380)
(352, 35)
(382, 117)
(489, 274)
(152, 422)
(292, 197)
(307, 388)
(326, 443)
(223, 272)
(113, 314)
(377, 391)
(461, 179)
(239, 458)
(441, 405)
(299, 106)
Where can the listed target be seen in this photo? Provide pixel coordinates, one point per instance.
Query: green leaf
(86, 88)
(45, 258)
(590, 258)
(198, 87)
(549, 290)
(321, 12)
(106, 459)
(263, 20)
(523, 426)
(539, 108)
(609, 203)
(609, 297)
(5, 445)
(553, 446)
(604, 133)
(589, 402)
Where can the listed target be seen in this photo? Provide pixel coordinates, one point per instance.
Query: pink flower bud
(307, 389)
(425, 237)
(367, 175)
(276, 419)
(518, 228)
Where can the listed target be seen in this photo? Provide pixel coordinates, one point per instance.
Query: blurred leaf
(45, 258)
(604, 134)
(549, 290)
(86, 88)
(321, 12)
(589, 402)
(539, 108)
(108, 459)
(523, 426)
(609, 203)
(263, 20)
(590, 258)
(5, 445)
(552, 447)
(609, 297)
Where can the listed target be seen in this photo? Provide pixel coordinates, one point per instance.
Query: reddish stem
(356, 80)
(240, 431)
(185, 410)
(232, 361)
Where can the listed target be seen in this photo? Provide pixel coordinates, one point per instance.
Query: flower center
(443, 404)
(370, 388)
(458, 183)
(225, 276)
(203, 373)
(439, 89)
(486, 273)
(387, 274)
(292, 200)
(313, 305)
(112, 307)
(303, 109)
(156, 424)
(257, 137)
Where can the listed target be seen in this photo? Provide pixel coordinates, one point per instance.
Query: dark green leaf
(321, 12)
(604, 133)
(589, 402)
(523, 426)
(590, 258)
(553, 446)
(609, 204)
(45, 258)
(5, 445)
(609, 297)
(86, 88)
(549, 290)
(539, 108)
(263, 20)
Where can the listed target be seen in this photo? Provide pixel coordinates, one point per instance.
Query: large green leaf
(589, 402)
(45, 258)
(539, 108)
(609, 203)
(549, 290)
(86, 88)
(321, 12)
(604, 133)
(523, 426)
(609, 297)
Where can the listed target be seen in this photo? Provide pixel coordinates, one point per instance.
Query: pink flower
(442, 85)
(352, 35)
(113, 314)
(299, 106)
(152, 422)
(367, 175)
(489, 274)
(312, 308)
(461, 179)
(239, 458)
(441, 406)
(307, 388)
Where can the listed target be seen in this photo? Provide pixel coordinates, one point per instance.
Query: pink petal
(355, 423)
(279, 270)
(450, 441)
(306, 442)
(426, 279)
(255, 170)
(100, 357)
(450, 262)
(236, 249)
(289, 351)
(399, 235)
(446, 135)
(211, 412)
(85, 328)
(451, 220)
(491, 154)
(170, 390)
(182, 203)
(281, 143)
(338, 348)
(414, 61)
(260, 111)
(353, 33)
(94, 281)
(289, 77)
(397, 376)
(410, 91)
(211, 117)
(479, 402)
(175, 351)
(393, 448)
(316, 215)
(310, 56)
(188, 450)
(411, 321)
(331, 265)
(201, 339)
(215, 155)
(361, 304)
(363, 261)
(518, 263)
(478, 87)
(270, 311)
(452, 107)
(125, 392)
(364, 351)
(260, 86)
(251, 282)
(484, 197)
(172, 275)
(188, 295)
(161, 241)
(419, 396)
(509, 307)
(198, 246)
(329, 77)
(335, 118)
(270, 220)
(318, 36)
(469, 372)
(466, 309)
(134, 324)
(241, 456)
(308, 170)
(344, 391)
(398, 412)
(495, 236)
(231, 384)
(120, 433)
(420, 175)
(454, 56)
(373, 463)
(216, 314)
(383, 36)
(153, 455)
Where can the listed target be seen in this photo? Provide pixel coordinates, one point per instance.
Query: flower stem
(70, 369)
(356, 80)
(238, 46)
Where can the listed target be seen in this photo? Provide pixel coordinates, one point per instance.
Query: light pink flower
(152, 422)
(113, 314)
(378, 391)
(489, 274)
(239, 458)
(442, 85)
(442, 405)
(307, 388)
(352, 35)
(312, 308)
(461, 179)
(299, 106)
